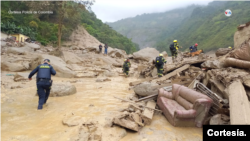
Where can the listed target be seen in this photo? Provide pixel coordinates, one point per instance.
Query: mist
(114, 10)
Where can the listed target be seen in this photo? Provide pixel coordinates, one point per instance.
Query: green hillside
(209, 27)
(44, 27)
(148, 29)
(206, 25)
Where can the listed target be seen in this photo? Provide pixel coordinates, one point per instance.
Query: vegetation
(206, 25)
(51, 28)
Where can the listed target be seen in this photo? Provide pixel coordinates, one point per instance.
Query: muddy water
(21, 121)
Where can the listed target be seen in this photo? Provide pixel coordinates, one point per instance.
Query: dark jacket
(163, 61)
(106, 46)
(100, 46)
(43, 71)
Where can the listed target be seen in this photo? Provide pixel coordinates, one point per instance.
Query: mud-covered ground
(21, 121)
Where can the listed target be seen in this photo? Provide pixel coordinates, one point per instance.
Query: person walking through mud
(106, 49)
(126, 66)
(159, 63)
(43, 81)
(100, 48)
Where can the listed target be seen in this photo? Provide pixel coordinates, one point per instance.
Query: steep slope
(209, 27)
(147, 29)
(206, 25)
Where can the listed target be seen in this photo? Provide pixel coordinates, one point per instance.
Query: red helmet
(195, 44)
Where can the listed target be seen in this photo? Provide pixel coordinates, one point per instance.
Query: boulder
(241, 35)
(165, 54)
(222, 51)
(16, 63)
(145, 89)
(212, 64)
(146, 54)
(62, 89)
(59, 65)
(110, 73)
(117, 53)
(243, 52)
(92, 49)
(71, 58)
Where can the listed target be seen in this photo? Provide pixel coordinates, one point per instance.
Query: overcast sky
(113, 10)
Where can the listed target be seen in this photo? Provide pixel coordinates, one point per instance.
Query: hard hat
(229, 47)
(196, 44)
(125, 59)
(160, 54)
(175, 41)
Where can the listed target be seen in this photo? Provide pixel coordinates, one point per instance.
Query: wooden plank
(138, 104)
(174, 73)
(147, 114)
(239, 104)
(150, 96)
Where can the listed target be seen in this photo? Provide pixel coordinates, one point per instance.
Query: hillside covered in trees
(44, 27)
(206, 25)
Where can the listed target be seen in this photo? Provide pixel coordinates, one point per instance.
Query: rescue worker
(106, 49)
(43, 81)
(126, 66)
(100, 48)
(193, 48)
(174, 50)
(159, 63)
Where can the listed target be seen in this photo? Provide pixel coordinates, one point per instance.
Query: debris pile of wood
(136, 115)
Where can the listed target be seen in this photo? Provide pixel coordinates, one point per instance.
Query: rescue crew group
(45, 70)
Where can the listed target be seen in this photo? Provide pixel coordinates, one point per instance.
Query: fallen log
(239, 104)
(147, 114)
(237, 63)
(147, 97)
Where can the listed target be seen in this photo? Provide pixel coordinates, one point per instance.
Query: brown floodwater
(21, 121)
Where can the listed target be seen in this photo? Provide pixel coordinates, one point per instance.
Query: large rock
(117, 53)
(18, 63)
(59, 65)
(62, 89)
(71, 58)
(146, 89)
(243, 52)
(241, 35)
(222, 51)
(146, 54)
(165, 54)
(212, 64)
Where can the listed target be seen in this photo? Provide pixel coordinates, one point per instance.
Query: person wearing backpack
(174, 50)
(100, 48)
(126, 66)
(159, 63)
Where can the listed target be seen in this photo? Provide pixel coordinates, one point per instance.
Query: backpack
(172, 48)
(126, 65)
(159, 61)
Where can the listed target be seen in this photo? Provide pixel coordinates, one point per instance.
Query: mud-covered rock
(146, 89)
(117, 53)
(146, 54)
(212, 64)
(59, 65)
(222, 51)
(71, 58)
(62, 89)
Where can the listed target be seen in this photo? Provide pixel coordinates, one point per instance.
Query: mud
(93, 101)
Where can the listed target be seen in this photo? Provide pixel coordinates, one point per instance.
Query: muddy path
(21, 121)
